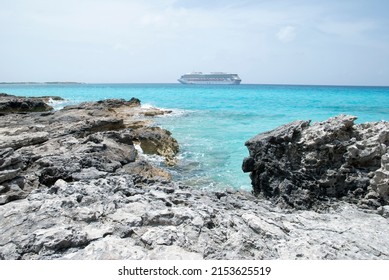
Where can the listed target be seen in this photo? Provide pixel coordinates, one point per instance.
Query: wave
(154, 159)
(60, 104)
(173, 112)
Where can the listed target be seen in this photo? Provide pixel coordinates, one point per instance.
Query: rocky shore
(74, 184)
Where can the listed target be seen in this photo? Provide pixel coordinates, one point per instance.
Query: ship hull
(236, 82)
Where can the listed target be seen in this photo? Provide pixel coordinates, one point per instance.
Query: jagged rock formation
(11, 164)
(82, 142)
(304, 166)
(17, 104)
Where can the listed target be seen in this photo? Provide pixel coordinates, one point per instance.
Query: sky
(333, 42)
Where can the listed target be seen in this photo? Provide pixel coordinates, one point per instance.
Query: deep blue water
(212, 123)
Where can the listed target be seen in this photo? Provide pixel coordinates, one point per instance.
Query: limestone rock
(119, 217)
(155, 140)
(19, 104)
(10, 164)
(147, 170)
(11, 181)
(300, 165)
(80, 142)
(9, 174)
(9, 159)
(23, 139)
(380, 181)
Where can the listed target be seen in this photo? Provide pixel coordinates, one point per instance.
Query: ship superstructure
(213, 78)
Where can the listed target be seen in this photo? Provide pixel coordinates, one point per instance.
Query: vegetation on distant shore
(38, 83)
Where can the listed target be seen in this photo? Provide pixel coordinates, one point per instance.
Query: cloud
(286, 34)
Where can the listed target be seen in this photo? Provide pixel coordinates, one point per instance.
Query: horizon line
(175, 83)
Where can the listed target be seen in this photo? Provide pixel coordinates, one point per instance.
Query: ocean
(212, 123)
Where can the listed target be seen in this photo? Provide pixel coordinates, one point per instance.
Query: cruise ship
(213, 78)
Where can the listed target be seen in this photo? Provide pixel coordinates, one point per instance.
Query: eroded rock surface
(129, 217)
(17, 104)
(78, 143)
(304, 166)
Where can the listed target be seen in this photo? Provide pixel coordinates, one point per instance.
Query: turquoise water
(212, 123)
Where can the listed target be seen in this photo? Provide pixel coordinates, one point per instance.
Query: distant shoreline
(39, 83)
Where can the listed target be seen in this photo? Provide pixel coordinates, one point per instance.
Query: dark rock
(105, 104)
(300, 166)
(19, 104)
(81, 142)
(98, 125)
(88, 158)
(53, 168)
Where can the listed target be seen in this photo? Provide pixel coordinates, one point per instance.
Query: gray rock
(9, 174)
(19, 104)
(87, 174)
(10, 164)
(159, 236)
(23, 139)
(262, 227)
(12, 183)
(380, 181)
(108, 218)
(109, 248)
(384, 211)
(173, 252)
(147, 170)
(304, 166)
(9, 159)
(80, 142)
